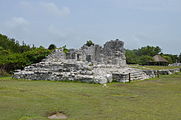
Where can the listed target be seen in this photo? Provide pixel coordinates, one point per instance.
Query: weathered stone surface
(151, 73)
(92, 64)
(175, 64)
(120, 77)
(154, 73)
(114, 52)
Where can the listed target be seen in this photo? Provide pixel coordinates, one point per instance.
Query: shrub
(89, 43)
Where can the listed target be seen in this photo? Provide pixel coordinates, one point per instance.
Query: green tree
(168, 58)
(145, 59)
(52, 47)
(65, 50)
(5, 52)
(13, 45)
(89, 43)
(14, 61)
(1, 48)
(142, 55)
(131, 57)
(179, 58)
(36, 55)
(15, 56)
(171, 58)
(149, 50)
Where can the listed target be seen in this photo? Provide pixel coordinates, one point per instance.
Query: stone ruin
(175, 64)
(93, 64)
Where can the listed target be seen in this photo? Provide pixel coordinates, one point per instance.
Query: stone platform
(93, 64)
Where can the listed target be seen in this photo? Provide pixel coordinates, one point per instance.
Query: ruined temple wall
(56, 56)
(114, 53)
(88, 53)
(111, 53)
(98, 53)
(92, 53)
(73, 66)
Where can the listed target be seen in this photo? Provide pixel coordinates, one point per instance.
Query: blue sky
(72, 22)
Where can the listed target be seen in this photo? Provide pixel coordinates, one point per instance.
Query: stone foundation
(92, 64)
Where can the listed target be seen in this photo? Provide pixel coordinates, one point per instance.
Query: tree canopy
(89, 43)
(12, 45)
(144, 55)
(149, 50)
(52, 47)
(179, 58)
(16, 56)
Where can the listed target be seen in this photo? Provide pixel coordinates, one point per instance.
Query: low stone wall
(118, 77)
(175, 64)
(130, 76)
(86, 75)
(154, 73)
(151, 73)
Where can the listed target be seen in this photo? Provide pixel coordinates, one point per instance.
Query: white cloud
(47, 8)
(54, 9)
(16, 27)
(149, 5)
(17, 22)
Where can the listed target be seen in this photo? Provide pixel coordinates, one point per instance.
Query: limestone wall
(154, 73)
(88, 64)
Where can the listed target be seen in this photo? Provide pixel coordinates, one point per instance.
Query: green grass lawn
(155, 99)
(154, 67)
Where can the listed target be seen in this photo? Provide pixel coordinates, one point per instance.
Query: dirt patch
(57, 115)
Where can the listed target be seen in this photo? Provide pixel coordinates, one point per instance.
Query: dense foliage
(148, 50)
(65, 50)
(179, 58)
(89, 43)
(15, 56)
(7, 45)
(52, 47)
(19, 60)
(145, 55)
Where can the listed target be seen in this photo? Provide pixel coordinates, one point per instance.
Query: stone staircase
(129, 75)
(139, 75)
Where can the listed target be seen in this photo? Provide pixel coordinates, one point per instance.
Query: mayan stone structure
(93, 64)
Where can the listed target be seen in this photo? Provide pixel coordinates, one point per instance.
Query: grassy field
(154, 67)
(155, 99)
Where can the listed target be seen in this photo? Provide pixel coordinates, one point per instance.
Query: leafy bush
(52, 47)
(131, 57)
(145, 59)
(20, 60)
(89, 43)
(12, 45)
(36, 55)
(15, 56)
(65, 49)
(144, 55)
